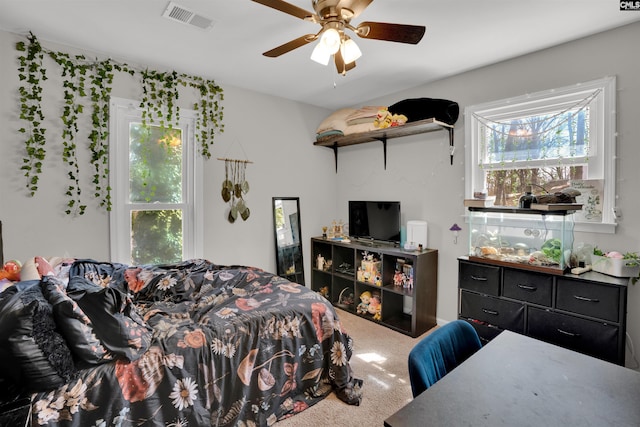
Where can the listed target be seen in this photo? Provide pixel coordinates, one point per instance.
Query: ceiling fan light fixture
(331, 40)
(320, 54)
(334, 18)
(346, 14)
(350, 51)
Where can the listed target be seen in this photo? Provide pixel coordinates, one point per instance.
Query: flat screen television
(375, 221)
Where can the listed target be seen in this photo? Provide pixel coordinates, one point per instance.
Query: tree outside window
(512, 153)
(156, 178)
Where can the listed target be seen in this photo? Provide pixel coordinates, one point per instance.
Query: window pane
(561, 135)
(156, 236)
(155, 164)
(509, 184)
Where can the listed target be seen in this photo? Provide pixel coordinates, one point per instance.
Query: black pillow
(8, 321)
(100, 273)
(33, 354)
(116, 322)
(74, 324)
(416, 109)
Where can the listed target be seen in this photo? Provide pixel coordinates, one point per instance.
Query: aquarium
(525, 238)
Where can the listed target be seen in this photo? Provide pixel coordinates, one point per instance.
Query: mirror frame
(289, 259)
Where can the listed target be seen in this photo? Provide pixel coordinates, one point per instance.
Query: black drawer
(586, 336)
(495, 311)
(485, 331)
(525, 286)
(480, 278)
(588, 298)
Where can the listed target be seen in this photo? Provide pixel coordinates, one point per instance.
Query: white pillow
(360, 128)
(336, 120)
(366, 112)
(29, 270)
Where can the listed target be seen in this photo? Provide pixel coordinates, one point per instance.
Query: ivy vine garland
(159, 93)
(84, 78)
(101, 81)
(31, 73)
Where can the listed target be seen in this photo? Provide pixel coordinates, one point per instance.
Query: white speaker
(417, 233)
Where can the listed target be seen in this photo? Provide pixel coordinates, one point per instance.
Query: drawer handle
(571, 334)
(479, 279)
(492, 312)
(578, 297)
(528, 288)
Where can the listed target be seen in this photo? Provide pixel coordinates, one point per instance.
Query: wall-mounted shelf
(411, 128)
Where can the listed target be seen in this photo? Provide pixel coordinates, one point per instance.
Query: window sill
(595, 227)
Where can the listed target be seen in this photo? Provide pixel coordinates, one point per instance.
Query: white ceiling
(461, 35)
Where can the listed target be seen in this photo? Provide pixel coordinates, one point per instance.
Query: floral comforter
(226, 346)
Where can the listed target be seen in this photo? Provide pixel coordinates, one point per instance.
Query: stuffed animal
(384, 119)
(398, 120)
(324, 291)
(365, 299)
(11, 270)
(375, 307)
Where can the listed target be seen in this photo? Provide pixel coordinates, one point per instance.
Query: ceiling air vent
(181, 14)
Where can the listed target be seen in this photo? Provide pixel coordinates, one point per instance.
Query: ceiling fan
(334, 16)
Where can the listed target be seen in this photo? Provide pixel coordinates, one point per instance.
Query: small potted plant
(615, 263)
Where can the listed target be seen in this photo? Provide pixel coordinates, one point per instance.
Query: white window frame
(122, 112)
(602, 144)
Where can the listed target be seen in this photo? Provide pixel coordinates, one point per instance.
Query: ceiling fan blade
(356, 6)
(341, 66)
(400, 33)
(289, 46)
(285, 7)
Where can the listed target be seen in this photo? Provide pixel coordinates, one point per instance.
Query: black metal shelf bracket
(384, 149)
(451, 147)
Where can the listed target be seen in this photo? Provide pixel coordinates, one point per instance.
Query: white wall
(276, 134)
(418, 171)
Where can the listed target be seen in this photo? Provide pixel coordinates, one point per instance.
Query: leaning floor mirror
(286, 225)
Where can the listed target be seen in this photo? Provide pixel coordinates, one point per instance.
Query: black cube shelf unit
(411, 311)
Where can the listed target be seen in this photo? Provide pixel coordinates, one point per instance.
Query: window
(156, 180)
(547, 141)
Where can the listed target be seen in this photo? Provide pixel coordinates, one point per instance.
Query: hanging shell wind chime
(234, 187)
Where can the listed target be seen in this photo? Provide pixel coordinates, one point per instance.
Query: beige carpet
(380, 360)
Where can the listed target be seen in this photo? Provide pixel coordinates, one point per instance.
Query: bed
(187, 344)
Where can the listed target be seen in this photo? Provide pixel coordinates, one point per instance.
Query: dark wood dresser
(585, 313)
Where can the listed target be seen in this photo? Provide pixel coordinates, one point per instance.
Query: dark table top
(519, 381)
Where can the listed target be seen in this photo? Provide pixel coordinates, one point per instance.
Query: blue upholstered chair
(439, 352)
